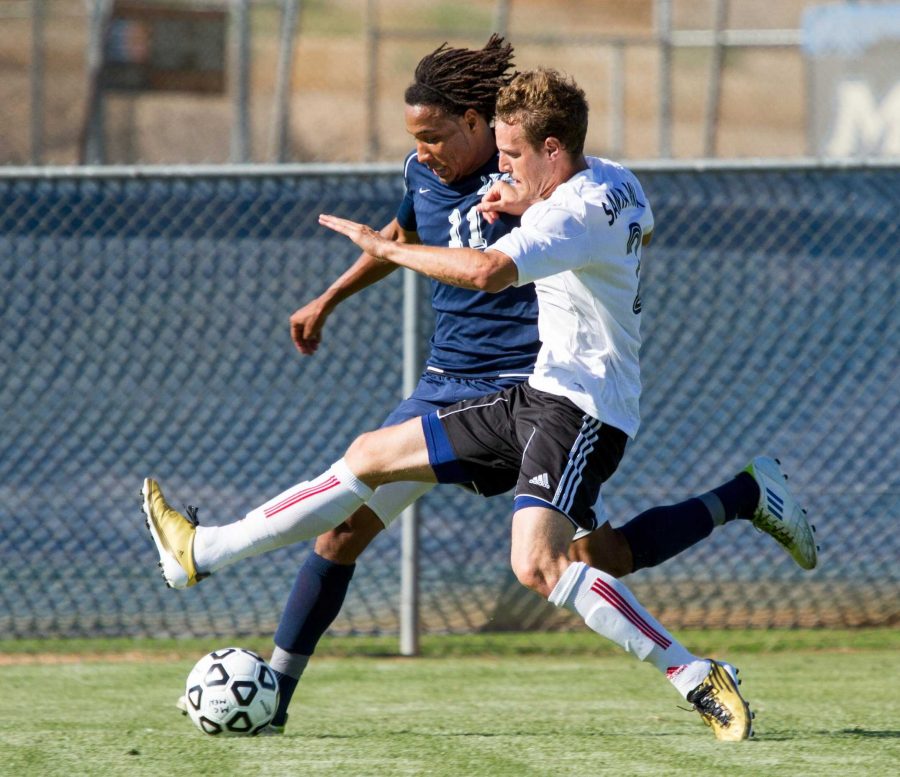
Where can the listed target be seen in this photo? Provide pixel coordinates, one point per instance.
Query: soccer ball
(231, 692)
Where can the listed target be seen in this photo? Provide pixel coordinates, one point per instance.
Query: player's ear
(472, 119)
(552, 147)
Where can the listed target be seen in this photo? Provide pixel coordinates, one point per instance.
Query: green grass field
(557, 704)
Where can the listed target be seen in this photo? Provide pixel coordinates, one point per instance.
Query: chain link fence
(144, 331)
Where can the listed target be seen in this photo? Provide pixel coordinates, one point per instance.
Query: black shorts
(551, 451)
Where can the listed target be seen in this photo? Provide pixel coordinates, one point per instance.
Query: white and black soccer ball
(231, 692)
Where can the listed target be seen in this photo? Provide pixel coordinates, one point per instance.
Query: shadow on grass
(513, 733)
(844, 733)
(866, 733)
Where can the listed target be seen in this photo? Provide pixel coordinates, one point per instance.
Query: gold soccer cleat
(173, 534)
(721, 705)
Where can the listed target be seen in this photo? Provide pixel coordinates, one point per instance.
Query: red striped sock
(303, 512)
(610, 609)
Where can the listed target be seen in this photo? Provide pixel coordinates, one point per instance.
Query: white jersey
(582, 249)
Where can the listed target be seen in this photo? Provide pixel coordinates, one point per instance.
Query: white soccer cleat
(778, 513)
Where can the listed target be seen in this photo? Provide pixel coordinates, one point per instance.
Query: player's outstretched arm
(467, 268)
(307, 321)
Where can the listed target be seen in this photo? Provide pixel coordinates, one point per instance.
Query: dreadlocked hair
(455, 80)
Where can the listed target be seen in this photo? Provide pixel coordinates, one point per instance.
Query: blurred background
(158, 227)
(117, 81)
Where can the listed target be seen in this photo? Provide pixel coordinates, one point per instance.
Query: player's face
(529, 167)
(450, 146)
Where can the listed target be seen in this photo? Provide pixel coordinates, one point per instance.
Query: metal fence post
(617, 101)
(409, 552)
(714, 95)
(240, 75)
(664, 36)
(281, 139)
(501, 17)
(37, 82)
(372, 43)
(91, 149)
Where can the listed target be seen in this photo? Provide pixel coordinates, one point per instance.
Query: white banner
(853, 56)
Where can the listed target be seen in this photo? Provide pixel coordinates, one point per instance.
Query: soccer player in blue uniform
(482, 343)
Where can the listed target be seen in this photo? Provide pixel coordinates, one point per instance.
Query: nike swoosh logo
(423, 191)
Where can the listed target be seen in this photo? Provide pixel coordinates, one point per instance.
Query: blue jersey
(476, 334)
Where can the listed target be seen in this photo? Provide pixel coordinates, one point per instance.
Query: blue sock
(313, 604)
(661, 533)
(286, 687)
(739, 496)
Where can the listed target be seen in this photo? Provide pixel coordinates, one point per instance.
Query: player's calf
(345, 542)
(605, 548)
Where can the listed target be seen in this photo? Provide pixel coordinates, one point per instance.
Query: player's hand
(365, 237)
(306, 326)
(502, 197)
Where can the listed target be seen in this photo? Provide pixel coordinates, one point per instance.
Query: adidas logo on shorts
(540, 480)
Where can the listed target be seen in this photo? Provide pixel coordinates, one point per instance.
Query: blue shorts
(435, 391)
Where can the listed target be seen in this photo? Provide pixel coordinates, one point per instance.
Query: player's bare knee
(534, 573)
(365, 457)
(356, 454)
(529, 576)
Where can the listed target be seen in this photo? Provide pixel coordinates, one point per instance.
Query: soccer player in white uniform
(555, 438)
(481, 343)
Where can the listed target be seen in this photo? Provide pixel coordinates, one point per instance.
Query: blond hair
(545, 103)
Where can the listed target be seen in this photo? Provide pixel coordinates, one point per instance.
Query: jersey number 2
(635, 237)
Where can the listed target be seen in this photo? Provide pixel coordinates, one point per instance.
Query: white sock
(610, 609)
(301, 513)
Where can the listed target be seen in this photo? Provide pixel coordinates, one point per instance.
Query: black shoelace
(704, 701)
